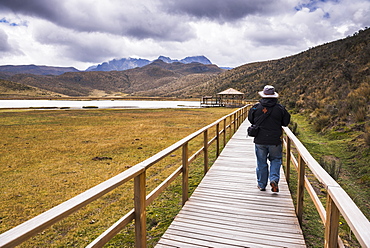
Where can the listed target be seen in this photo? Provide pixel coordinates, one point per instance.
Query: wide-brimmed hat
(269, 92)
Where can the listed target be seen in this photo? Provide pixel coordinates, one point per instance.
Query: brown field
(48, 157)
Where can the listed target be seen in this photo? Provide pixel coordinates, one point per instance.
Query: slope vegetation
(35, 69)
(10, 89)
(331, 82)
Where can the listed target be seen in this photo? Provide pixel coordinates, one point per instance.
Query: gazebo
(226, 98)
(231, 98)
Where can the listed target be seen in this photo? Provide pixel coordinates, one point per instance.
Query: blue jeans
(274, 154)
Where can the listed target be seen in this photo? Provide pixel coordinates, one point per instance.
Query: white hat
(268, 92)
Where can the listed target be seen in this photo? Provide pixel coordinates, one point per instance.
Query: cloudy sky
(81, 33)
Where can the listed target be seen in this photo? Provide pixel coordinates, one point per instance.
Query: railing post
(205, 150)
(332, 223)
(234, 123)
(185, 173)
(140, 212)
(217, 139)
(300, 188)
(224, 132)
(239, 118)
(230, 127)
(288, 158)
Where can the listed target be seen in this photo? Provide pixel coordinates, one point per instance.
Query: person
(268, 143)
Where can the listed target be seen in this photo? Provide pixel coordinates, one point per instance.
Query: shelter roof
(230, 91)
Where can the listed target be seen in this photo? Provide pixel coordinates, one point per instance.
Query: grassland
(47, 157)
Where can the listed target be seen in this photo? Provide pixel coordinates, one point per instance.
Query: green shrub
(293, 126)
(332, 167)
(360, 114)
(367, 135)
(321, 122)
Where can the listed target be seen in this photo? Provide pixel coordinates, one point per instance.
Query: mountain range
(112, 65)
(130, 63)
(157, 74)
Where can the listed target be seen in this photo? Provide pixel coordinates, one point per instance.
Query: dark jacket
(271, 128)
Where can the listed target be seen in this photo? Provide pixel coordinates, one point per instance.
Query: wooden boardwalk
(227, 209)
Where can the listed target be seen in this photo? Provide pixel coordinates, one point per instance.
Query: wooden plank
(227, 209)
(199, 241)
(262, 211)
(235, 234)
(257, 225)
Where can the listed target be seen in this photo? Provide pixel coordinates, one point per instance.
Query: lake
(79, 104)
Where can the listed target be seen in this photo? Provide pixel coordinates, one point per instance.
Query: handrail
(338, 201)
(30, 228)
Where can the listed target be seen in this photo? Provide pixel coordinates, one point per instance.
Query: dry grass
(46, 157)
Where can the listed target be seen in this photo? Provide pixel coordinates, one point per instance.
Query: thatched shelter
(231, 98)
(226, 98)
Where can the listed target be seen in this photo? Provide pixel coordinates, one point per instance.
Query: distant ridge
(35, 69)
(112, 65)
(131, 63)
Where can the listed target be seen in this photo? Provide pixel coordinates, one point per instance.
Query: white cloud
(4, 44)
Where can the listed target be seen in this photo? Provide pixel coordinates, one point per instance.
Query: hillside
(144, 79)
(8, 70)
(16, 90)
(331, 82)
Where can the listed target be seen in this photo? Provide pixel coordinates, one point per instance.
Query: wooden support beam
(300, 188)
(205, 151)
(331, 224)
(288, 158)
(140, 210)
(185, 173)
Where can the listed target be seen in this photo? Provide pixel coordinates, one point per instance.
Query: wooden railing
(338, 202)
(30, 228)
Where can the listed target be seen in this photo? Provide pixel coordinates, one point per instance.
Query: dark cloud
(138, 21)
(86, 47)
(220, 10)
(47, 9)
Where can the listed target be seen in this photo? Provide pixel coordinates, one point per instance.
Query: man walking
(268, 140)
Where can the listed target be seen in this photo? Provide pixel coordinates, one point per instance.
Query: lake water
(75, 104)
